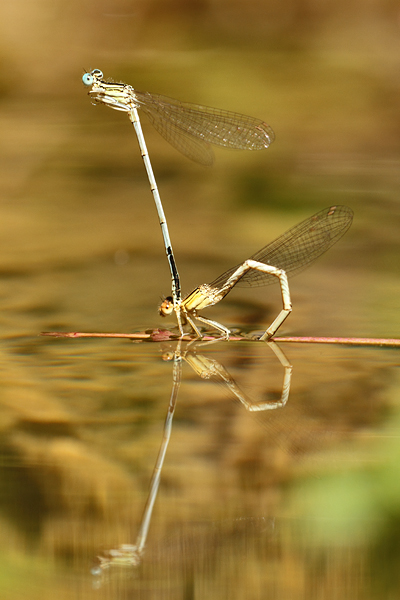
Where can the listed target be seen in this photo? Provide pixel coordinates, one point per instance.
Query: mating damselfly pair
(192, 129)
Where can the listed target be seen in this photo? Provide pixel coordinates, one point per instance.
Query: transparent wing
(297, 248)
(191, 128)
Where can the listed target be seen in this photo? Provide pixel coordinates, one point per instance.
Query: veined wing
(296, 249)
(191, 128)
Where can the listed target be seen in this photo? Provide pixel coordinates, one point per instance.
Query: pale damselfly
(289, 254)
(190, 128)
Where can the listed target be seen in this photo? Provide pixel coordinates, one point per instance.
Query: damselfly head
(166, 307)
(89, 78)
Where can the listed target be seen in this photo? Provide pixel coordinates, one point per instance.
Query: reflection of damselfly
(287, 255)
(207, 368)
(190, 128)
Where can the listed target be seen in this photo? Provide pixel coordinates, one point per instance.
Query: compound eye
(166, 307)
(88, 79)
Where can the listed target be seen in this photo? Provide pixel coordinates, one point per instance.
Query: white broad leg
(193, 326)
(177, 309)
(224, 330)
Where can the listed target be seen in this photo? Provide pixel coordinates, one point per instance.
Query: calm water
(246, 496)
(280, 476)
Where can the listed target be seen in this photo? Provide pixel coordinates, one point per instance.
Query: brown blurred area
(80, 249)
(43, 42)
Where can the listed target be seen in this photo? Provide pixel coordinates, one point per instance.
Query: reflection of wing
(191, 128)
(297, 248)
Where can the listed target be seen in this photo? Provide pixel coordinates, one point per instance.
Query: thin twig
(341, 340)
(159, 335)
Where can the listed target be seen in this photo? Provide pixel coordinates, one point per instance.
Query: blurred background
(325, 77)
(81, 249)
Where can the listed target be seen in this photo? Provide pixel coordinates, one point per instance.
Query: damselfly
(190, 128)
(289, 254)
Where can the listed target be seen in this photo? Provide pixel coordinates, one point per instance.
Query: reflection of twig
(157, 335)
